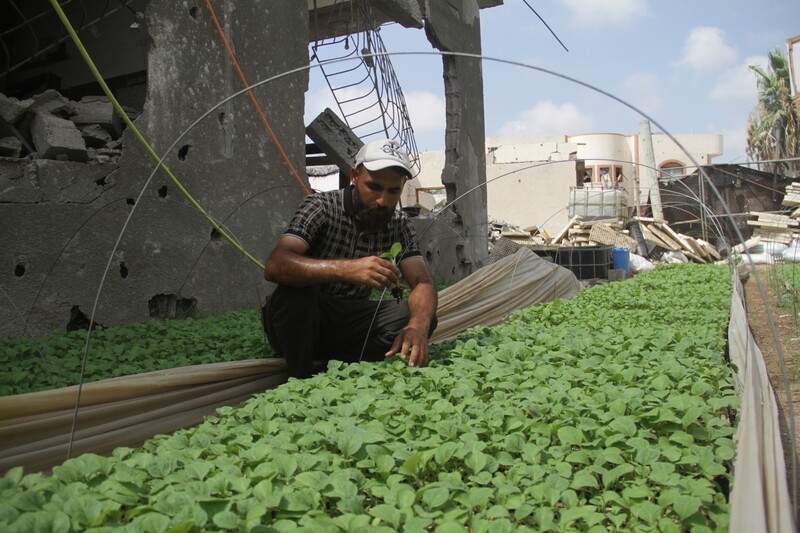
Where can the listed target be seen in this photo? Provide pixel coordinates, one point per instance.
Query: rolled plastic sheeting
(126, 411)
(635, 231)
(485, 297)
(760, 495)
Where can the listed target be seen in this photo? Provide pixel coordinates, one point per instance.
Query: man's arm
(412, 341)
(289, 265)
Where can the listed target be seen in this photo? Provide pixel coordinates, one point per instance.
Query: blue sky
(682, 62)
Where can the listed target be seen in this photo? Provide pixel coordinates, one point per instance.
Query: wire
(138, 135)
(546, 25)
(160, 164)
(371, 322)
(252, 96)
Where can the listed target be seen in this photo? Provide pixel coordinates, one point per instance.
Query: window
(672, 170)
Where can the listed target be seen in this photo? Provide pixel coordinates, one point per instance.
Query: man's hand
(412, 345)
(289, 265)
(373, 272)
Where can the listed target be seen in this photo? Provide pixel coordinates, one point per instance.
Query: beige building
(543, 181)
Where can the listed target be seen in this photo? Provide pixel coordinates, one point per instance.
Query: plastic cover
(760, 495)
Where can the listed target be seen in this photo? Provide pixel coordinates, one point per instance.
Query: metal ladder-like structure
(366, 89)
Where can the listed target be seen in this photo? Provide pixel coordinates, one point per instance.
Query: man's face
(376, 195)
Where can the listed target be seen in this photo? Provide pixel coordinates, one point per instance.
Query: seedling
(393, 252)
(391, 255)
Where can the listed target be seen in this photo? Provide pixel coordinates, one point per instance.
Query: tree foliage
(772, 131)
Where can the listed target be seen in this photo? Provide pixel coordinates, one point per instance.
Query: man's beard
(371, 218)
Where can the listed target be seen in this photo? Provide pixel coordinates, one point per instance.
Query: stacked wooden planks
(791, 197)
(661, 234)
(610, 232)
(775, 228)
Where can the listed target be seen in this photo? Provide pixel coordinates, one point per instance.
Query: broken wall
(454, 26)
(62, 214)
(529, 184)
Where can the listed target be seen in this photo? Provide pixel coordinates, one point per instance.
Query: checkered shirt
(327, 223)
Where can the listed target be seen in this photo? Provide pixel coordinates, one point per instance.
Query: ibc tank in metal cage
(591, 202)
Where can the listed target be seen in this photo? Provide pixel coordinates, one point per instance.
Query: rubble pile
(657, 238)
(50, 126)
(657, 235)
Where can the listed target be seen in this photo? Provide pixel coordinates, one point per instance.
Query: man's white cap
(384, 153)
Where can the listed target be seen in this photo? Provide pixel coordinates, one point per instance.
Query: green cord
(139, 136)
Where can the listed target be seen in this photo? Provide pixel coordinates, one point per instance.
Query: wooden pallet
(605, 234)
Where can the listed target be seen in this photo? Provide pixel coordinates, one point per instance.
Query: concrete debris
(12, 110)
(658, 236)
(60, 129)
(104, 155)
(96, 110)
(50, 102)
(57, 138)
(506, 239)
(10, 147)
(95, 136)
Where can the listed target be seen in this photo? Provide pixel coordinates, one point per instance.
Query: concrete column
(649, 173)
(454, 26)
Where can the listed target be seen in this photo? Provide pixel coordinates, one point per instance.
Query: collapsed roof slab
(407, 13)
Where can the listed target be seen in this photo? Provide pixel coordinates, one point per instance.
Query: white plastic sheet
(485, 297)
(760, 495)
(640, 264)
(792, 253)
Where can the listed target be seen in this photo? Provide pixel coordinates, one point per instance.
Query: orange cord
(252, 97)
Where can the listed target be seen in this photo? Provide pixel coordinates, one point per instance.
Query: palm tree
(772, 132)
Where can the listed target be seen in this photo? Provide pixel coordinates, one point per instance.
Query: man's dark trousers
(305, 325)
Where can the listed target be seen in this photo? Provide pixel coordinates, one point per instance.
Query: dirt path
(789, 335)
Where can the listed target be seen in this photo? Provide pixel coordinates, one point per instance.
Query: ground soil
(789, 334)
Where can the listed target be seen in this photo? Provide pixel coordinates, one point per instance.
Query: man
(327, 263)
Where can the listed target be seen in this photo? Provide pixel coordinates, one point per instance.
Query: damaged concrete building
(93, 228)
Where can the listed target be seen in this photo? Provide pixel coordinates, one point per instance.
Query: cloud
(642, 90)
(705, 48)
(548, 118)
(598, 13)
(426, 110)
(738, 82)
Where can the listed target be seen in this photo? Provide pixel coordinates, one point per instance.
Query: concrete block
(95, 136)
(10, 147)
(11, 109)
(616, 274)
(57, 138)
(335, 139)
(103, 155)
(49, 101)
(96, 110)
